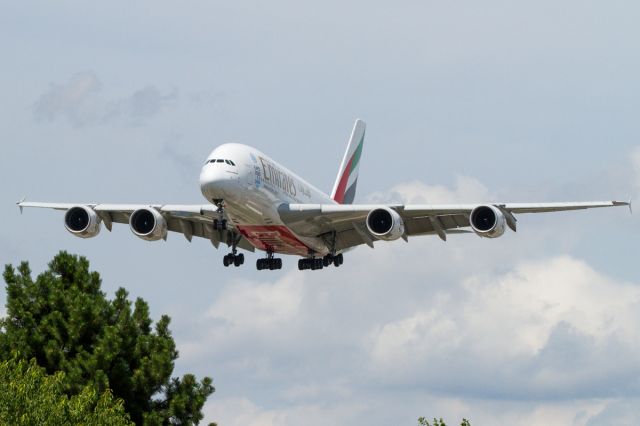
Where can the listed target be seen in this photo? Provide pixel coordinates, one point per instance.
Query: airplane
(255, 203)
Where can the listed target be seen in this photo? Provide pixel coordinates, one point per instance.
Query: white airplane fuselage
(253, 186)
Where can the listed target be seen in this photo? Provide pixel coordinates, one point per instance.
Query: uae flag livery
(344, 190)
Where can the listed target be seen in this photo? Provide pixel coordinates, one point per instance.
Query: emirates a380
(253, 202)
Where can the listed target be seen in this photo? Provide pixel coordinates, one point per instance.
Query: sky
(465, 101)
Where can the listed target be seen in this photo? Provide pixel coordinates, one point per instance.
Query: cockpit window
(218, 160)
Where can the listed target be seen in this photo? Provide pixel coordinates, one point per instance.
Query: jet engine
(148, 224)
(488, 221)
(385, 223)
(82, 221)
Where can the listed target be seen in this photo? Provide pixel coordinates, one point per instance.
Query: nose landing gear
(220, 224)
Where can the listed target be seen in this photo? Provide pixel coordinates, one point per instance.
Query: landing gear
(233, 259)
(315, 264)
(310, 263)
(220, 224)
(271, 263)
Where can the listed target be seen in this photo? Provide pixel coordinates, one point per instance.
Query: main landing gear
(234, 258)
(314, 263)
(271, 263)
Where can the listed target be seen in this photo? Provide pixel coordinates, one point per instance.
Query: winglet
(19, 204)
(623, 203)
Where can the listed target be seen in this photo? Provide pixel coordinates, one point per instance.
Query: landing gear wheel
(338, 260)
(270, 263)
(314, 263)
(219, 225)
(233, 259)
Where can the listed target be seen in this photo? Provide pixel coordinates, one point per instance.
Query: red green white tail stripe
(344, 190)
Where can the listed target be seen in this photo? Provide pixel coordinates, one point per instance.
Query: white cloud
(247, 306)
(76, 100)
(243, 412)
(635, 162)
(541, 343)
(553, 327)
(467, 189)
(79, 101)
(405, 409)
(621, 411)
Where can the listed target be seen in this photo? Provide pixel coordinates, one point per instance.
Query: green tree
(422, 421)
(64, 321)
(29, 397)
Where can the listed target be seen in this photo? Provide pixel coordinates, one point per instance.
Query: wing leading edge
(190, 220)
(346, 223)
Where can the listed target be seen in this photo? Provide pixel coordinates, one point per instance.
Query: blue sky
(499, 101)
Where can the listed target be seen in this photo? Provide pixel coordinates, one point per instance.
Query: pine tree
(66, 323)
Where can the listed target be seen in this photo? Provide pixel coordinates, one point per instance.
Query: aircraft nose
(215, 181)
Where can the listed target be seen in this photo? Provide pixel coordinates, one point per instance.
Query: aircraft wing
(347, 222)
(190, 220)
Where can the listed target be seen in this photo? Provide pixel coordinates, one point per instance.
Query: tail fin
(344, 190)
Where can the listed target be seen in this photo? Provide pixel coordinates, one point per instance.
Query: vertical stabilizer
(344, 190)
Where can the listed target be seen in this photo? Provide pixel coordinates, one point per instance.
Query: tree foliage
(30, 397)
(66, 323)
(422, 421)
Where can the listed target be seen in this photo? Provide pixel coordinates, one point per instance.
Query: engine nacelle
(82, 221)
(385, 223)
(488, 221)
(148, 224)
